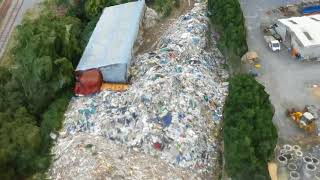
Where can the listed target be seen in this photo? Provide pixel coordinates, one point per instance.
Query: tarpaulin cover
(311, 9)
(88, 82)
(110, 46)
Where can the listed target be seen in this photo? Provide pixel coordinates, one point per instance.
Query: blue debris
(189, 29)
(163, 61)
(87, 112)
(178, 159)
(186, 17)
(181, 115)
(195, 40)
(167, 120)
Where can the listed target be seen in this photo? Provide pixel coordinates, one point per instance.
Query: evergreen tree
(249, 133)
(228, 18)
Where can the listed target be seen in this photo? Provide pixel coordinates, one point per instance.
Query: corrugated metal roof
(306, 28)
(113, 37)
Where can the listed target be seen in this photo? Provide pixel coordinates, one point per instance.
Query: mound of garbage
(166, 125)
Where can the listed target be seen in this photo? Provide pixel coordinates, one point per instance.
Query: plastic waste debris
(169, 112)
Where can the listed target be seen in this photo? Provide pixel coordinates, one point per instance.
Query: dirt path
(152, 35)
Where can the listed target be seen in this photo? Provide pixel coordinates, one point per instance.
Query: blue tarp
(110, 46)
(311, 9)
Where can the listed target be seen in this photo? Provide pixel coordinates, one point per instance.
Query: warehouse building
(301, 35)
(110, 47)
(107, 56)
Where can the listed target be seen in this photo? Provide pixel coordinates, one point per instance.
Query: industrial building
(110, 47)
(301, 35)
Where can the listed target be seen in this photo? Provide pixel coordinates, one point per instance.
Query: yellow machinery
(304, 119)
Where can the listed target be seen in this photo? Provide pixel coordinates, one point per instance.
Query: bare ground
(151, 36)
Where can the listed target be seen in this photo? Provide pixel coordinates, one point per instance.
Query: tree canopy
(228, 18)
(249, 133)
(35, 88)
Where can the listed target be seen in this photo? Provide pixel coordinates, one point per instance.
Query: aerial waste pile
(165, 125)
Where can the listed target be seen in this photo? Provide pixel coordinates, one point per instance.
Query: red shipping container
(88, 82)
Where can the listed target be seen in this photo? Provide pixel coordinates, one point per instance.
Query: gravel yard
(288, 81)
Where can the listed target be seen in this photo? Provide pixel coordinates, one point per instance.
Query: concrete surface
(287, 80)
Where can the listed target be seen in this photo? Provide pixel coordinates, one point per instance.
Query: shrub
(93, 8)
(228, 18)
(46, 50)
(164, 7)
(249, 133)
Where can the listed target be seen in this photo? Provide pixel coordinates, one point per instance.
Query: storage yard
(291, 82)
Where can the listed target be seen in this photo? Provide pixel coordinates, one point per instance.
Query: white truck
(273, 43)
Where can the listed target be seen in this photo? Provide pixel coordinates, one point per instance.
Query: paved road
(287, 81)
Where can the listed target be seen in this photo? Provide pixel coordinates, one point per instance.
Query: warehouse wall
(306, 52)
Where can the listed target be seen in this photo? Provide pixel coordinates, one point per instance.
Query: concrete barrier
(294, 175)
(292, 167)
(283, 161)
(309, 171)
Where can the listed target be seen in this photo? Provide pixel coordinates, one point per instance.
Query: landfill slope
(165, 126)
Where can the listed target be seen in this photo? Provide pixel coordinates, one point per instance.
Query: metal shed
(301, 34)
(111, 44)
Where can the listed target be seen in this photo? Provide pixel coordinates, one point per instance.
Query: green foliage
(35, 89)
(249, 134)
(227, 16)
(45, 51)
(20, 142)
(88, 30)
(93, 8)
(51, 119)
(165, 7)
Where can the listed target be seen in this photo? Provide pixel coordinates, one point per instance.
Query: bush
(35, 90)
(51, 119)
(164, 7)
(228, 18)
(249, 134)
(93, 8)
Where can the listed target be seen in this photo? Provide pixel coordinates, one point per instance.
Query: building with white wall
(302, 35)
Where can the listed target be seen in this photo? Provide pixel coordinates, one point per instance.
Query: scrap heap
(166, 125)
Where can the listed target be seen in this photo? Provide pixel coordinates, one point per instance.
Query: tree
(93, 8)
(47, 50)
(228, 18)
(20, 141)
(35, 88)
(249, 134)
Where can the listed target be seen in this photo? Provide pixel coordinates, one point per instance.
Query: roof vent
(293, 22)
(315, 19)
(308, 35)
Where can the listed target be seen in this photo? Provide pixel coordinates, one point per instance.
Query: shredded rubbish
(165, 126)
